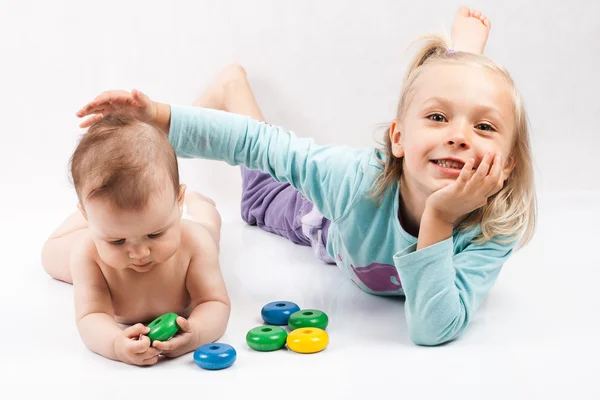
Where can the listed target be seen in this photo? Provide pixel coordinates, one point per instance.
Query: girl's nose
(458, 136)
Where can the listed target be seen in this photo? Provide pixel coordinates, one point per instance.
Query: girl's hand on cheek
(470, 191)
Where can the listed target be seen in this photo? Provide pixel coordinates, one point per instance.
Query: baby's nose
(139, 252)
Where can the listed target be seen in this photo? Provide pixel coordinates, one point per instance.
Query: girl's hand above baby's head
(135, 102)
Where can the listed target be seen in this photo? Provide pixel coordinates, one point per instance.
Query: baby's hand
(182, 343)
(133, 348)
(470, 191)
(138, 103)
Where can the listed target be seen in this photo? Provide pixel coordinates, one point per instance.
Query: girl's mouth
(446, 168)
(445, 163)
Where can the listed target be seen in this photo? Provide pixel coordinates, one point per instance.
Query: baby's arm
(95, 317)
(210, 301)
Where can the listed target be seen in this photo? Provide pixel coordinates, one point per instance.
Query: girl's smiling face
(455, 112)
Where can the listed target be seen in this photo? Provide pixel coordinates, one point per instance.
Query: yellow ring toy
(307, 340)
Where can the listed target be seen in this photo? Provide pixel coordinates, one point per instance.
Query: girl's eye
(485, 127)
(117, 242)
(437, 117)
(155, 235)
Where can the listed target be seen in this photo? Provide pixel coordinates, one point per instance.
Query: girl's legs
(271, 205)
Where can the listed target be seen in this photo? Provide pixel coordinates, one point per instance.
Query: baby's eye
(117, 242)
(155, 235)
(437, 117)
(485, 127)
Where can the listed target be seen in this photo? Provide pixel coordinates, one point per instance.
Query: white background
(330, 70)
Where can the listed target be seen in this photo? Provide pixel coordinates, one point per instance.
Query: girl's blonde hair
(510, 212)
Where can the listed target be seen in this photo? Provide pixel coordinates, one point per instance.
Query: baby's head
(126, 176)
(455, 106)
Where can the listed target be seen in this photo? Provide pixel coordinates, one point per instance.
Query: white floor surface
(534, 337)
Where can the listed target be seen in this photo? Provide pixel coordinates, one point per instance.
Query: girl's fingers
(496, 169)
(105, 99)
(466, 172)
(140, 98)
(91, 121)
(495, 180)
(483, 168)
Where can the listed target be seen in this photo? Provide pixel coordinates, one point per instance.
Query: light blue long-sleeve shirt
(444, 284)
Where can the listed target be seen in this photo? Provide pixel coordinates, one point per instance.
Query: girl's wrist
(433, 228)
(434, 212)
(163, 117)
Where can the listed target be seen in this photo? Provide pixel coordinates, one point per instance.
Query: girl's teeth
(448, 164)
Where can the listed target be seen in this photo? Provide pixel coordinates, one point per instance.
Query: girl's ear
(396, 139)
(508, 167)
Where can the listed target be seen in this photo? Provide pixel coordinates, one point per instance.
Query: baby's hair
(512, 211)
(123, 160)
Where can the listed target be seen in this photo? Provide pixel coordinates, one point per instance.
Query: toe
(487, 23)
(463, 11)
(476, 13)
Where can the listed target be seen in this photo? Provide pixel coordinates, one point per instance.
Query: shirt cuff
(410, 256)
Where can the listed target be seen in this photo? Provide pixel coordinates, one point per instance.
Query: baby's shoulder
(85, 248)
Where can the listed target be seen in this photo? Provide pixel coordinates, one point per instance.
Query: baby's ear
(82, 210)
(396, 139)
(181, 196)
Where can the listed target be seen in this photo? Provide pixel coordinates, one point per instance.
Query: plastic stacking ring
(308, 318)
(215, 356)
(266, 338)
(307, 340)
(163, 328)
(278, 312)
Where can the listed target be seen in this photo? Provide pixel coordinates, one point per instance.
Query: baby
(129, 254)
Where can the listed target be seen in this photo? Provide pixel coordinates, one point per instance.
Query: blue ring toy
(278, 312)
(215, 356)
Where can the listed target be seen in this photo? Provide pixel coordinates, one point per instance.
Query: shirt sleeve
(444, 290)
(328, 176)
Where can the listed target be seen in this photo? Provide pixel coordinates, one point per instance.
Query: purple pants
(279, 208)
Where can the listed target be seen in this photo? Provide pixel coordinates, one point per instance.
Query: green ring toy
(308, 319)
(266, 338)
(163, 328)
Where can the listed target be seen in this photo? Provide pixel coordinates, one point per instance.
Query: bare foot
(214, 96)
(470, 30)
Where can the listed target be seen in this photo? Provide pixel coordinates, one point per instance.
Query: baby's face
(136, 240)
(456, 112)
